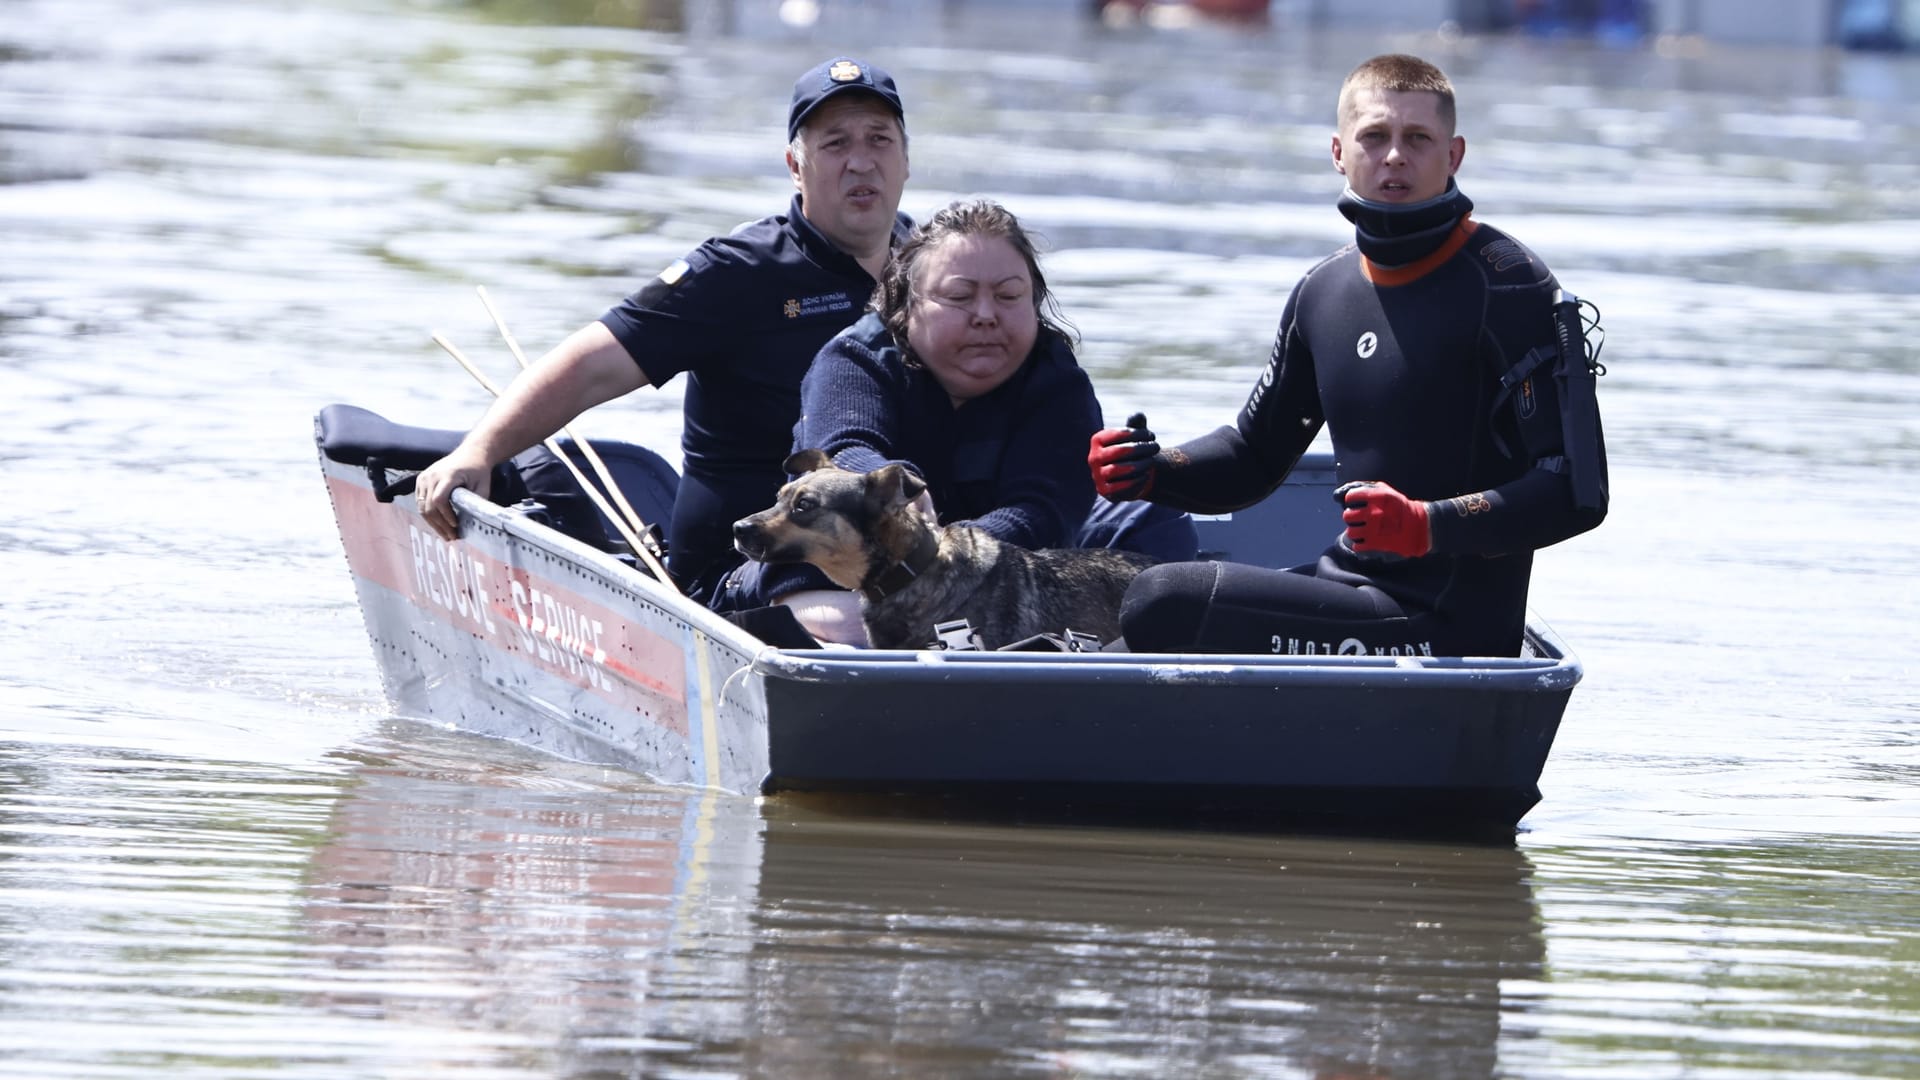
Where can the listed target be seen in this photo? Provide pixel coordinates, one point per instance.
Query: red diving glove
(1381, 519)
(1121, 460)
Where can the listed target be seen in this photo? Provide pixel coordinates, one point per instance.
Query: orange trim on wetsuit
(1421, 267)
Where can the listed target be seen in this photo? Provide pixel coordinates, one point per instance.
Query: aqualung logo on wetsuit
(1367, 343)
(1293, 646)
(1505, 254)
(1260, 388)
(1468, 505)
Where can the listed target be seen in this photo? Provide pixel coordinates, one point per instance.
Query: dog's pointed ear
(806, 461)
(893, 485)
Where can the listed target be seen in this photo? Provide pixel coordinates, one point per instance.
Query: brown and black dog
(864, 532)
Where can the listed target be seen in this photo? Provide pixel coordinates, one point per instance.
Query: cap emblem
(844, 71)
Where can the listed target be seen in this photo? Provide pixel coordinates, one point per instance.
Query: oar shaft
(586, 448)
(627, 533)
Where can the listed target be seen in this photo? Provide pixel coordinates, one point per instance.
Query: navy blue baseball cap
(838, 76)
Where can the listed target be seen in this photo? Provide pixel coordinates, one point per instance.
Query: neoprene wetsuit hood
(1392, 234)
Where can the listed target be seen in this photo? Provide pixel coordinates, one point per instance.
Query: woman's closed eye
(966, 297)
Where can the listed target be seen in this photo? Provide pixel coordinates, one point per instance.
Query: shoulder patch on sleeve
(671, 283)
(1506, 253)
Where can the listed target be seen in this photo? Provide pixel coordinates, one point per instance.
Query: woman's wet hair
(962, 217)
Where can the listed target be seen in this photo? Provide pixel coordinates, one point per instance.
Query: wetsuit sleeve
(1536, 508)
(1234, 467)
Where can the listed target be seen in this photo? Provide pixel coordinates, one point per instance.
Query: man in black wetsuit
(1451, 374)
(742, 315)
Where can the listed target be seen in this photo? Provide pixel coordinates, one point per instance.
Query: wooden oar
(627, 533)
(593, 458)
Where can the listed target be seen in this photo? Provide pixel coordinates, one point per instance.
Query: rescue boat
(532, 629)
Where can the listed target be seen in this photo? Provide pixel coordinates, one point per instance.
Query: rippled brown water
(219, 857)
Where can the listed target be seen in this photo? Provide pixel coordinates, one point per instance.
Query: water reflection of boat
(521, 631)
(539, 913)
(573, 927)
(1118, 952)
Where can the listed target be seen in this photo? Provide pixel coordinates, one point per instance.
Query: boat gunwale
(1499, 673)
(562, 546)
(1557, 669)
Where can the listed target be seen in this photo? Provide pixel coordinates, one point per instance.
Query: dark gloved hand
(1381, 519)
(1122, 460)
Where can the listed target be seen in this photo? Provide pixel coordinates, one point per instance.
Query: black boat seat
(352, 435)
(355, 436)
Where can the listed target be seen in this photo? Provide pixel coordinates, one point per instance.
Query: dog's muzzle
(749, 539)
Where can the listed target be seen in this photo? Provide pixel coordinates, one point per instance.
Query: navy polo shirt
(742, 316)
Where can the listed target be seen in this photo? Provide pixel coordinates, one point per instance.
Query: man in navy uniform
(742, 315)
(1450, 369)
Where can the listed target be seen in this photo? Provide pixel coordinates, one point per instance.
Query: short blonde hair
(1400, 73)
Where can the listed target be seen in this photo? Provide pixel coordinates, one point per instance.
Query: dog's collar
(902, 574)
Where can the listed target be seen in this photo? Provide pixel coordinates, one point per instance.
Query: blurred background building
(1859, 24)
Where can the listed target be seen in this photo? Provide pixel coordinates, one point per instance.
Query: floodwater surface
(220, 856)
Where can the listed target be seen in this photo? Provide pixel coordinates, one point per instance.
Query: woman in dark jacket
(962, 373)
